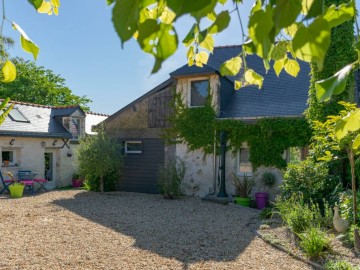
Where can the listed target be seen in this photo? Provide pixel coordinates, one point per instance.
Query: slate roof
(285, 96)
(42, 121)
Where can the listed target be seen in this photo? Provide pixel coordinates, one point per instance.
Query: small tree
(100, 157)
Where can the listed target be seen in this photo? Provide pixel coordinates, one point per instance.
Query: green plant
(314, 242)
(99, 159)
(268, 179)
(350, 234)
(170, 177)
(266, 212)
(346, 205)
(243, 187)
(76, 176)
(339, 265)
(311, 179)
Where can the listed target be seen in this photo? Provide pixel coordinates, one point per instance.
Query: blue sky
(81, 45)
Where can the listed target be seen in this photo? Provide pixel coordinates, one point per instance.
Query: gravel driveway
(83, 230)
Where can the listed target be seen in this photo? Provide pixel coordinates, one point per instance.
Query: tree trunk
(101, 184)
(353, 187)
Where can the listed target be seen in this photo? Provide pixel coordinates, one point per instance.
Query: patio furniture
(27, 178)
(5, 183)
(41, 184)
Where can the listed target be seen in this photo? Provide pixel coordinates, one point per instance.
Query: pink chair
(41, 183)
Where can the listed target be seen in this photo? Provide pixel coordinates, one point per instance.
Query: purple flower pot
(261, 199)
(77, 183)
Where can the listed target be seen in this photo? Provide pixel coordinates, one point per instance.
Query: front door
(49, 170)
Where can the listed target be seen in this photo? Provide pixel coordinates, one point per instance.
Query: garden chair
(5, 183)
(42, 182)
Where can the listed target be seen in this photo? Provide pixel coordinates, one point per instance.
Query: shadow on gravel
(187, 229)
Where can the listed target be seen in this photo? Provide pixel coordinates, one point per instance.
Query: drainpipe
(222, 191)
(214, 164)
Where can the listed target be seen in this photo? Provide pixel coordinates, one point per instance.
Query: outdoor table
(27, 178)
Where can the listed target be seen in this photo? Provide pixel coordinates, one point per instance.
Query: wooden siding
(159, 108)
(141, 170)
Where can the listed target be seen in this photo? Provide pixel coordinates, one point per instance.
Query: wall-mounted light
(43, 144)
(69, 153)
(54, 143)
(12, 141)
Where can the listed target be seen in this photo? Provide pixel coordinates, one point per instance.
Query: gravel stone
(76, 229)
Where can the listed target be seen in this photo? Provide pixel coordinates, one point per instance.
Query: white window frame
(130, 151)
(11, 163)
(189, 89)
(240, 173)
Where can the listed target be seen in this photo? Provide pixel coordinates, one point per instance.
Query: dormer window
(198, 92)
(74, 126)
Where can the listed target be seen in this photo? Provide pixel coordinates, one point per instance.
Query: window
(8, 155)
(198, 92)
(294, 155)
(17, 116)
(244, 165)
(133, 147)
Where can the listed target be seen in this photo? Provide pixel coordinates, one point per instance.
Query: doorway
(49, 170)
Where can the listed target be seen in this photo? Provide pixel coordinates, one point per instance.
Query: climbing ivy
(267, 138)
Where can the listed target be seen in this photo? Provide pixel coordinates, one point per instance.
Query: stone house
(138, 125)
(43, 138)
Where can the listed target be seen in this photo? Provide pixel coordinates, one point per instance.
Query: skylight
(17, 116)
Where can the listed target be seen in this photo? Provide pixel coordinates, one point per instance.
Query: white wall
(29, 155)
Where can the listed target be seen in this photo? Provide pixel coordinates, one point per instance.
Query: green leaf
(312, 8)
(279, 65)
(208, 43)
(109, 2)
(356, 142)
(190, 37)
(260, 27)
(45, 8)
(279, 51)
(160, 40)
(183, 7)
(266, 65)
(8, 72)
(249, 47)
(237, 85)
(204, 11)
(167, 16)
(286, 12)
(201, 58)
(347, 124)
(334, 85)
(231, 67)
(55, 3)
(211, 16)
(257, 6)
(36, 3)
(253, 78)
(125, 17)
(292, 67)
(223, 2)
(311, 43)
(292, 29)
(222, 21)
(26, 43)
(338, 15)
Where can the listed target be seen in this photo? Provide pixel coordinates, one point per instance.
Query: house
(43, 138)
(139, 124)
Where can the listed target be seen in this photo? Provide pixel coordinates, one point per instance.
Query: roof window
(17, 116)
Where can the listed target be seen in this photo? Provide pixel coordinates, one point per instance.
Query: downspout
(222, 191)
(214, 164)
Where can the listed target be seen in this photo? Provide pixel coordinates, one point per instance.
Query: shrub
(99, 159)
(268, 179)
(266, 212)
(346, 207)
(314, 242)
(297, 215)
(170, 177)
(311, 179)
(339, 265)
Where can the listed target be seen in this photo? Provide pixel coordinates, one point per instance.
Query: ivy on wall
(267, 138)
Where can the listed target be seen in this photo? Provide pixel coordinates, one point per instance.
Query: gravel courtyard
(83, 230)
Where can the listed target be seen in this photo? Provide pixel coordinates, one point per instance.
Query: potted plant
(243, 189)
(6, 163)
(16, 188)
(77, 181)
(268, 180)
